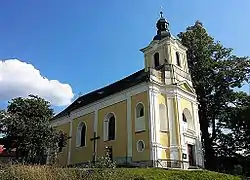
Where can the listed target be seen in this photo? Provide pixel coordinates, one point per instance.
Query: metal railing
(168, 163)
(176, 73)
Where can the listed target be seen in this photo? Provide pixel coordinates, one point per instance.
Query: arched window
(109, 127)
(184, 119)
(178, 59)
(139, 117)
(139, 110)
(187, 117)
(156, 59)
(81, 135)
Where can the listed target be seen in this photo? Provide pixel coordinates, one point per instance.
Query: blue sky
(89, 44)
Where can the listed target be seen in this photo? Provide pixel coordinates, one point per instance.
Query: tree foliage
(215, 73)
(26, 123)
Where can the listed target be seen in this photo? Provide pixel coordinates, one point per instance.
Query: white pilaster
(96, 127)
(152, 126)
(96, 121)
(195, 116)
(181, 124)
(157, 126)
(70, 139)
(129, 128)
(199, 153)
(172, 129)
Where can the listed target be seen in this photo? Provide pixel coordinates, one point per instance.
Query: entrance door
(191, 156)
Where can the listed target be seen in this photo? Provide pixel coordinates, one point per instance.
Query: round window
(140, 146)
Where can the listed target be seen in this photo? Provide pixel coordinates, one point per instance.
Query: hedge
(23, 172)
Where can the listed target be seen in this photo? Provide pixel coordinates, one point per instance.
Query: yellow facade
(177, 122)
(143, 135)
(186, 104)
(164, 136)
(185, 87)
(82, 154)
(119, 145)
(63, 155)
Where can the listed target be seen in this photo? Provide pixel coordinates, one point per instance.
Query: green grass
(158, 174)
(53, 173)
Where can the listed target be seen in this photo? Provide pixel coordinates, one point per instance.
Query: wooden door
(191, 155)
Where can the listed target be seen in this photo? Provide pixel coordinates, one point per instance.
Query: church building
(150, 118)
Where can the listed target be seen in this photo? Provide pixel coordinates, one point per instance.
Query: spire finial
(162, 27)
(161, 12)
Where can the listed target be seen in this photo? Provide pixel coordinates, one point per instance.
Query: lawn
(53, 173)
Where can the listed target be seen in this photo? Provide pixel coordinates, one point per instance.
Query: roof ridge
(115, 87)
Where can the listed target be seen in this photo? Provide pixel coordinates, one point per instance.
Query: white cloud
(19, 78)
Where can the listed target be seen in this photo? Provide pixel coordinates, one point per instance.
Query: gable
(185, 86)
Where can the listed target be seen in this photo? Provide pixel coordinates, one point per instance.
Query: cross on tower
(94, 138)
(161, 12)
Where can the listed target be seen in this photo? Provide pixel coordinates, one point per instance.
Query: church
(148, 119)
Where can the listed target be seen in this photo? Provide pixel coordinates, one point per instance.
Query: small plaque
(184, 156)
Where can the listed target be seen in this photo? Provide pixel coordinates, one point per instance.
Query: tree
(215, 73)
(238, 124)
(27, 123)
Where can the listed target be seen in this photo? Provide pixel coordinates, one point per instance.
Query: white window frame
(137, 146)
(190, 121)
(79, 134)
(106, 126)
(140, 124)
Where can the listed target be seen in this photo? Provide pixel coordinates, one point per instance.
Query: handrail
(173, 69)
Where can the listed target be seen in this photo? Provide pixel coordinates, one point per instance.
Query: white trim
(106, 119)
(151, 124)
(100, 104)
(129, 129)
(79, 134)
(189, 117)
(150, 115)
(154, 125)
(188, 84)
(172, 90)
(70, 143)
(137, 144)
(140, 118)
(180, 135)
(96, 121)
(143, 108)
(96, 127)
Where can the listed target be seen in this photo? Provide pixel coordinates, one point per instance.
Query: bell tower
(165, 49)
(173, 101)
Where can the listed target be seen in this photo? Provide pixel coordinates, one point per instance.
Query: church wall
(63, 156)
(188, 129)
(175, 48)
(164, 136)
(142, 135)
(82, 154)
(185, 104)
(176, 127)
(119, 145)
(98, 109)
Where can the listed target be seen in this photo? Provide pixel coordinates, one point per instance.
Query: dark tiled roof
(127, 82)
